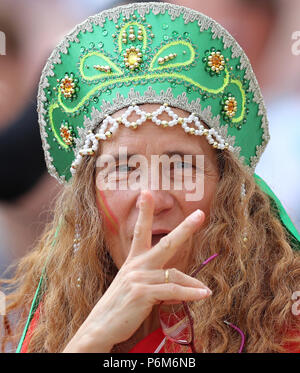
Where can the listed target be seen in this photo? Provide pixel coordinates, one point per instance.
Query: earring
(78, 282)
(243, 191)
(77, 238)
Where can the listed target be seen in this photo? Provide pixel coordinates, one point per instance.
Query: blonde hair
(252, 282)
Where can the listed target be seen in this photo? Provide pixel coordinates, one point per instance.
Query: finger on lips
(167, 246)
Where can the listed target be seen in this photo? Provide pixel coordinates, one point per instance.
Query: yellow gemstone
(132, 58)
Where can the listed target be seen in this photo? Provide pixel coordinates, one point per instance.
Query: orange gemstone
(68, 85)
(216, 61)
(231, 106)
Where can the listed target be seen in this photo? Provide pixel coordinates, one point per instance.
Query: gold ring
(166, 276)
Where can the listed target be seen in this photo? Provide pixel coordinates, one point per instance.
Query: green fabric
(162, 33)
(279, 210)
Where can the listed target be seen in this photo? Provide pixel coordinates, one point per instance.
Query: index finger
(168, 245)
(142, 235)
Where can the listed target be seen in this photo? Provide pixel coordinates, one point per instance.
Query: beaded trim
(150, 96)
(91, 143)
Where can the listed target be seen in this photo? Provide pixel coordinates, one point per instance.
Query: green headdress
(150, 53)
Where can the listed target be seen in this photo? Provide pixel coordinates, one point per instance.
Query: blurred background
(266, 29)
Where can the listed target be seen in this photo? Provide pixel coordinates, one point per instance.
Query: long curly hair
(252, 281)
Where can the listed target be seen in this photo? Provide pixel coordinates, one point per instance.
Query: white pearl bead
(219, 138)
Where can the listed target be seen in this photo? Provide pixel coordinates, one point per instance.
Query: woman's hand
(140, 284)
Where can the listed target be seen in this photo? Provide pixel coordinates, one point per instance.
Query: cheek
(113, 208)
(107, 212)
(210, 186)
(204, 204)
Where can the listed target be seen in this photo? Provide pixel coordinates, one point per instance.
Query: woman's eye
(123, 168)
(183, 165)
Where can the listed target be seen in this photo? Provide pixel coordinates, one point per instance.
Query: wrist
(90, 341)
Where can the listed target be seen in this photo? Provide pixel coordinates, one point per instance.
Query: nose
(163, 201)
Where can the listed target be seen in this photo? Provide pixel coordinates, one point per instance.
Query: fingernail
(203, 292)
(142, 200)
(143, 196)
(196, 215)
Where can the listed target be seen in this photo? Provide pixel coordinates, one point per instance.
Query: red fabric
(150, 343)
(293, 347)
(147, 345)
(30, 330)
(153, 340)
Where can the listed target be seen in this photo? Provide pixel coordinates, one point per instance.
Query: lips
(157, 235)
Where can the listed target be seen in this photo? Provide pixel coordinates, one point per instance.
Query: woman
(129, 86)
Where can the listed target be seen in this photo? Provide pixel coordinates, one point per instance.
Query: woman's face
(149, 142)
